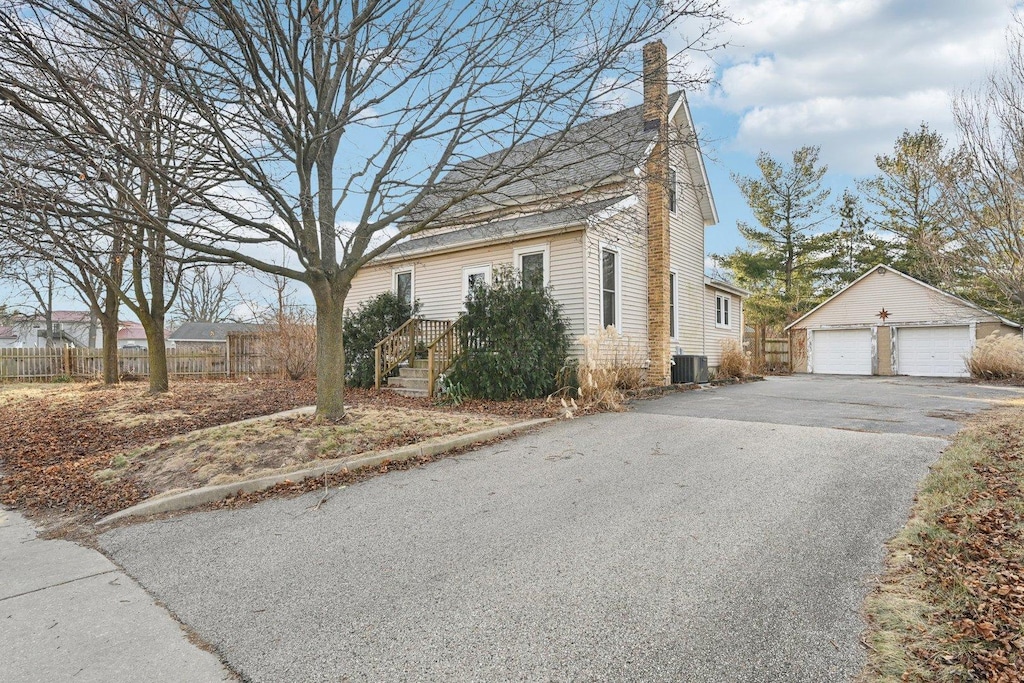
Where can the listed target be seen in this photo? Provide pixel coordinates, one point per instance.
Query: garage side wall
(986, 329)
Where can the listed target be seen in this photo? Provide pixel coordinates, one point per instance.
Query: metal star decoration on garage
(883, 314)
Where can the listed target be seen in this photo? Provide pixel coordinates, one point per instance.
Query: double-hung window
(672, 190)
(474, 277)
(672, 305)
(403, 285)
(609, 288)
(532, 263)
(722, 310)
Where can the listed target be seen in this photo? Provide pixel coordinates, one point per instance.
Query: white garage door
(933, 351)
(841, 352)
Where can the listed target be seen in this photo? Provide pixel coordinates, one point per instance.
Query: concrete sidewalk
(68, 613)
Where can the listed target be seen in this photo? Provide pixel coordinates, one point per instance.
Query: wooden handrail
(441, 353)
(401, 345)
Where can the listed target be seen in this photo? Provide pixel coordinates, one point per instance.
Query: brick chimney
(655, 112)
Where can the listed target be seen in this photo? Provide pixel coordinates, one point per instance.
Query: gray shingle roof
(508, 227)
(214, 332)
(589, 154)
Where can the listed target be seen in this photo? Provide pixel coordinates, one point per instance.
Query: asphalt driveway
(725, 535)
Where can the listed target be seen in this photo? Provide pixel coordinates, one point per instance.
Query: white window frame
(673, 305)
(395, 272)
(602, 247)
(726, 309)
(673, 191)
(485, 269)
(544, 249)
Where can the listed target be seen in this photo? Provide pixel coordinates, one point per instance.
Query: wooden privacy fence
(770, 354)
(238, 358)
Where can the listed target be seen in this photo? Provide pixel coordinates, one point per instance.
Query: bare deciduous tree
(207, 294)
(987, 185)
(336, 121)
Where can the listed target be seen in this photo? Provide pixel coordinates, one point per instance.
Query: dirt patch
(233, 453)
(950, 606)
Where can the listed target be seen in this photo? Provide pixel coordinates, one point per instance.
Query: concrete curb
(211, 494)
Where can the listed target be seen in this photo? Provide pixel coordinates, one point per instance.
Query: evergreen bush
(375, 319)
(514, 341)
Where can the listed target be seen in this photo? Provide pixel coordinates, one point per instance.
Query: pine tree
(786, 252)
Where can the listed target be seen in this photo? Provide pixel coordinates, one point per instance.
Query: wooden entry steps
(412, 380)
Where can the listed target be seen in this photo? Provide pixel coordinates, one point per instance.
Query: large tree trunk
(108, 326)
(154, 326)
(109, 320)
(330, 352)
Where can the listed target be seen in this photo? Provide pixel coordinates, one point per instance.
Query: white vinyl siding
(905, 301)
(841, 352)
(438, 278)
(715, 334)
(696, 332)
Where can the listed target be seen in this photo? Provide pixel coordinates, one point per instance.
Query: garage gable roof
(945, 295)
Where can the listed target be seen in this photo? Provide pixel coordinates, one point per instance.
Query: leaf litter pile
(951, 606)
(77, 452)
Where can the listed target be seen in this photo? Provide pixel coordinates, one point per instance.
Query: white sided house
(613, 225)
(888, 323)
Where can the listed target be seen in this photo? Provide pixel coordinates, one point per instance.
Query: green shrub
(514, 341)
(375, 319)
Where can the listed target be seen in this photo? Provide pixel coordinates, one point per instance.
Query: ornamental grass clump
(734, 363)
(612, 364)
(997, 357)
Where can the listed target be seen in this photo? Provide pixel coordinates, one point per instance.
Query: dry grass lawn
(72, 453)
(951, 604)
(232, 453)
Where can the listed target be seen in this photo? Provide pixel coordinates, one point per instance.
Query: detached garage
(888, 323)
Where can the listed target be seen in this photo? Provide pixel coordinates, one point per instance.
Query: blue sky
(847, 75)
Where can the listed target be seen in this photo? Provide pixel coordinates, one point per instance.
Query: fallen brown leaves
(966, 564)
(55, 439)
(53, 442)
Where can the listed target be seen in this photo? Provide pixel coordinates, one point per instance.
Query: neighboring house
(8, 337)
(196, 336)
(70, 328)
(613, 222)
(131, 336)
(888, 323)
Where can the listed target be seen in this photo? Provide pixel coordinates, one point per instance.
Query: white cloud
(850, 75)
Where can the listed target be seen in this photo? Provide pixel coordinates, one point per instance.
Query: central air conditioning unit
(687, 369)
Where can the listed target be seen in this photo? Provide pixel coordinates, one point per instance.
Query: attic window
(672, 190)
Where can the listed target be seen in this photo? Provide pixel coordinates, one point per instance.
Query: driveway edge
(211, 494)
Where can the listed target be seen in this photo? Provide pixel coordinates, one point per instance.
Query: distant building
(8, 337)
(206, 335)
(131, 336)
(70, 328)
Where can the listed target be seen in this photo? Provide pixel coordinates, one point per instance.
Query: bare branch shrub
(612, 364)
(735, 363)
(997, 357)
